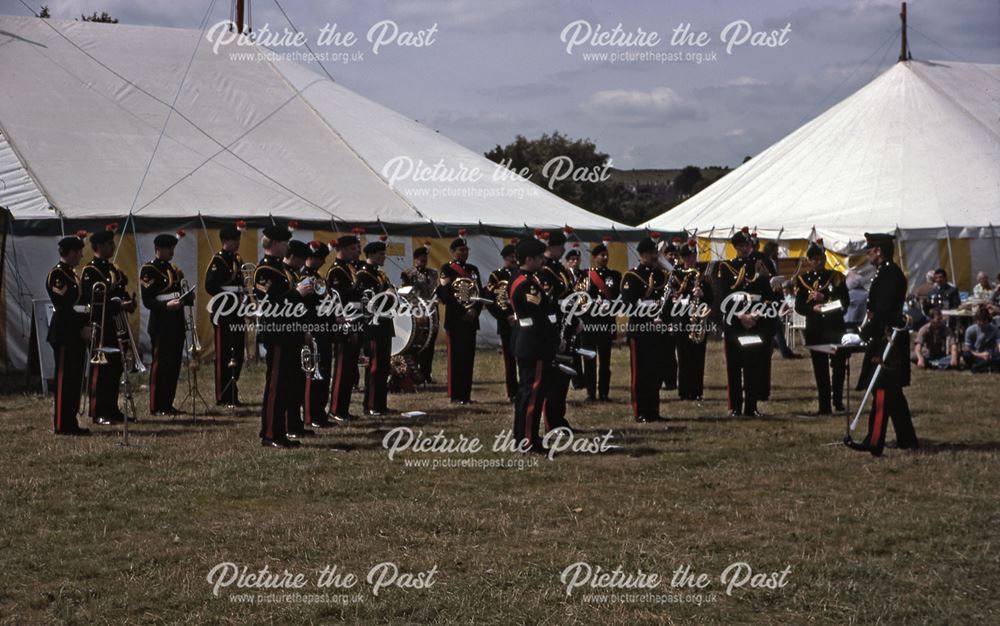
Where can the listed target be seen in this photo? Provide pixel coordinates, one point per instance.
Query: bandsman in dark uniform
(821, 297)
(68, 335)
(767, 262)
(340, 279)
(557, 282)
(279, 336)
(885, 312)
(572, 262)
(694, 295)
(670, 251)
(461, 320)
(225, 275)
(103, 380)
(604, 285)
(294, 263)
(743, 283)
(642, 290)
(378, 332)
(497, 291)
(424, 282)
(317, 389)
(535, 345)
(160, 290)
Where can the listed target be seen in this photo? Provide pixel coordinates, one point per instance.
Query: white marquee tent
(916, 152)
(82, 109)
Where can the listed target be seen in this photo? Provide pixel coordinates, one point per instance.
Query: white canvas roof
(916, 149)
(83, 105)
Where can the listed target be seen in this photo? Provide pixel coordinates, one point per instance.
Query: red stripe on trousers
(152, 376)
(447, 338)
(879, 416)
(218, 365)
(272, 389)
(633, 387)
(339, 354)
(59, 387)
(94, 370)
(372, 368)
(531, 400)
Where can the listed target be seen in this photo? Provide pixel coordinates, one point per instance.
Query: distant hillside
(643, 194)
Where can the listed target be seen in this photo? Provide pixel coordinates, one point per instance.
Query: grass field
(93, 533)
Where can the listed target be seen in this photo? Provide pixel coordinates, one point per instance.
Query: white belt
(81, 308)
(235, 288)
(526, 322)
(552, 318)
(167, 297)
(649, 302)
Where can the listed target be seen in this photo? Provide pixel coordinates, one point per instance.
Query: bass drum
(413, 334)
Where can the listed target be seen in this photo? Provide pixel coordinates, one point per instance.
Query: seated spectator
(924, 289)
(858, 301)
(943, 296)
(983, 290)
(982, 344)
(935, 344)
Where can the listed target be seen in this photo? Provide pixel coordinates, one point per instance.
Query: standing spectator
(858, 296)
(944, 295)
(935, 344)
(982, 344)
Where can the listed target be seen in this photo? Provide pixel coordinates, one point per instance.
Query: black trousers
(597, 372)
(283, 369)
(318, 391)
(461, 361)
(230, 346)
(68, 384)
(165, 370)
(345, 374)
(648, 358)
(690, 368)
(890, 403)
(744, 373)
(103, 384)
(425, 360)
(296, 393)
(555, 400)
(669, 362)
(821, 371)
(534, 376)
(510, 364)
(379, 351)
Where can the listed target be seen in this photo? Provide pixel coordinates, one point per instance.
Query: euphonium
(308, 357)
(698, 319)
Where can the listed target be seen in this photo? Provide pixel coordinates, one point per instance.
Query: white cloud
(638, 107)
(745, 81)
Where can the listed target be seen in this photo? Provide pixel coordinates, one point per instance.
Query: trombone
(99, 298)
(190, 329)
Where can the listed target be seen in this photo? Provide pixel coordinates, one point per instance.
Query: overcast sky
(498, 68)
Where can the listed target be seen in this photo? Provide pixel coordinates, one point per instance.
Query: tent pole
(996, 255)
(904, 50)
(951, 257)
(902, 256)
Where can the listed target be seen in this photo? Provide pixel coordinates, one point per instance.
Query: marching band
(557, 323)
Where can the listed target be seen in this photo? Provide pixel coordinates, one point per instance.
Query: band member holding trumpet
(68, 335)
(111, 299)
(496, 287)
(690, 324)
(535, 344)
(320, 346)
(579, 276)
(347, 343)
(603, 283)
(294, 262)
(821, 297)
(424, 282)
(378, 332)
(459, 288)
(645, 291)
(885, 312)
(272, 280)
(225, 274)
(744, 293)
(160, 290)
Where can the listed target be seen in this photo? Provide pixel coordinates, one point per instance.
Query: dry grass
(92, 533)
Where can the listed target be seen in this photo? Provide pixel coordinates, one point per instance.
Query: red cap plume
(692, 242)
(568, 230)
(383, 237)
(357, 230)
(514, 240)
(654, 235)
(112, 227)
(461, 232)
(745, 229)
(180, 233)
(819, 240)
(293, 224)
(606, 238)
(427, 242)
(241, 225)
(81, 234)
(314, 244)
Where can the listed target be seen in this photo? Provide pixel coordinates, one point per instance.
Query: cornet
(318, 284)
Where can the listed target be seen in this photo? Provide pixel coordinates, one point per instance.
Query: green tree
(686, 180)
(103, 18)
(45, 12)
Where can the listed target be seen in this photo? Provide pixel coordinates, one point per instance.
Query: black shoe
(823, 412)
(641, 419)
(754, 413)
(103, 421)
(373, 414)
(734, 414)
(323, 424)
(591, 398)
(117, 418)
(279, 443)
(860, 446)
(604, 399)
(512, 399)
(335, 419)
(839, 407)
(538, 448)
